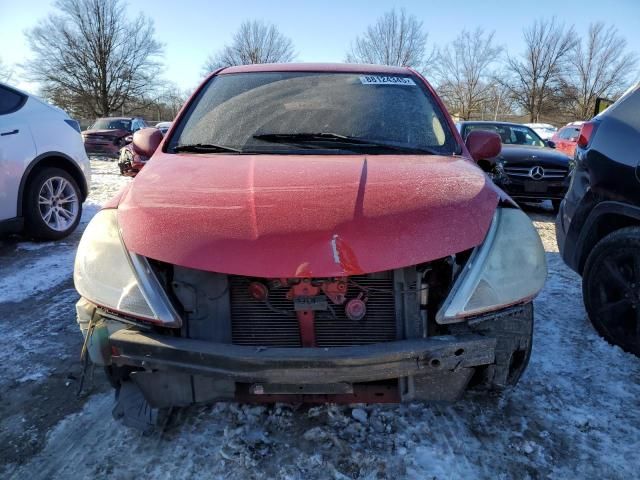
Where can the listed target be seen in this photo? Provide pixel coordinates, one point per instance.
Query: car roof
(539, 125)
(34, 97)
(116, 118)
(489, 122)
(317, 67)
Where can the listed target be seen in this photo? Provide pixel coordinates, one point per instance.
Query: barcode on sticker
(383, 80)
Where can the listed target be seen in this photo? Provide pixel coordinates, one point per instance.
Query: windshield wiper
(339, 140)
(204, 148)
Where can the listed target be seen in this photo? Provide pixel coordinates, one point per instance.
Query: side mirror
(551, 144)
(146, 141)
(483, 147)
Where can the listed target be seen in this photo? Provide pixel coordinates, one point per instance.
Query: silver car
(44, 169)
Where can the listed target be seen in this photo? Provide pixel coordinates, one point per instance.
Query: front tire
(52, 204)
(611, 288)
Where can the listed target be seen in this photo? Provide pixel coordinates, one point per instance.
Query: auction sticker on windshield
(383, 80)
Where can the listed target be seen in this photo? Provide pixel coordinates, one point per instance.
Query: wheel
(611, 288)
(52, 205)
(556, 205)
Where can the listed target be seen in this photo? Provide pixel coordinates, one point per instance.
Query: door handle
(12, 132)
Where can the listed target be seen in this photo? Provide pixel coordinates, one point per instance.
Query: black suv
(598, 226)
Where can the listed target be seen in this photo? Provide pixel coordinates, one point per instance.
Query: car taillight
(586, 132)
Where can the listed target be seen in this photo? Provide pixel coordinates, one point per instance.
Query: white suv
(44, 169)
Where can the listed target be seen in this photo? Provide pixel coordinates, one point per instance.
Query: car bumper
(440, 369)
(368, 363)
(102, 150)
(526, 191)
(175, 371)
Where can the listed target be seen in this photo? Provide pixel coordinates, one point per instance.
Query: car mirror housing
(551, 144)
(146, 141)
(483, 145)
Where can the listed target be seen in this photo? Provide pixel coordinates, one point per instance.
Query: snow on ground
(31, 274)
(106, 181)
(31, 269)
(575, 414)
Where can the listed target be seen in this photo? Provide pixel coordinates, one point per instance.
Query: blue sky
(321, 31)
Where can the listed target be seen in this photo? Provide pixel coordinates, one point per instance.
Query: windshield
(283, 108)
(509, 134)
(111, 124)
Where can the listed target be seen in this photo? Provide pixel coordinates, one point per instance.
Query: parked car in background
(163, 126)
(108, 135)
(44, 170)
(598, 227)
(566, 138)
(544, 130)
(528, 168)
(257, 255)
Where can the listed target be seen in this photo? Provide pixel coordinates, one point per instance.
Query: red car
(132, 159)
(566, 138)
(108, 135)
(308, 233)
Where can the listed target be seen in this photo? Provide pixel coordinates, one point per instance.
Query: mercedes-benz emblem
(537, 172)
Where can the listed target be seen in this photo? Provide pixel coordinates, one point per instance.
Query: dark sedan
(528, 168)
(108, 135)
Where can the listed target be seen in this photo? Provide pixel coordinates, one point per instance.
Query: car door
(17, 148)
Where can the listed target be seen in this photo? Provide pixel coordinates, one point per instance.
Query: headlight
(109, 276)
(507, 269)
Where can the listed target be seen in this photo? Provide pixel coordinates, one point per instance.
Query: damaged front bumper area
(488, 351)
(447, 361)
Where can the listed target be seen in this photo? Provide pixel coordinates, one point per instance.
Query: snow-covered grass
(575, 413)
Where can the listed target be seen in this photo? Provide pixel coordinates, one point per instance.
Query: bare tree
(91, 59)
(173, 98)
(6, 72)
(601, 67)
(162, 104)
(537, 76)
(497, 104)
(254, 42)
(395, 39)
(464, 71)
(166, 104)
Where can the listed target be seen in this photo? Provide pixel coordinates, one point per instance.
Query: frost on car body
(302, 234)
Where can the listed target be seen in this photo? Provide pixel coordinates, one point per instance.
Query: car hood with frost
(279, 216)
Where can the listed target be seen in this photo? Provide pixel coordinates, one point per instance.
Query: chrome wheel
(58, 203)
